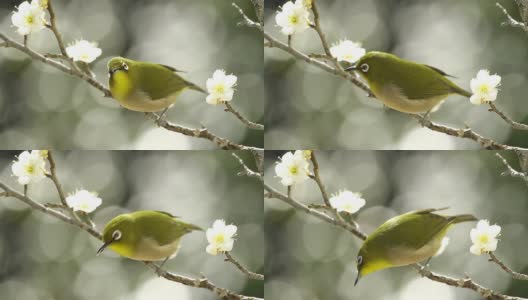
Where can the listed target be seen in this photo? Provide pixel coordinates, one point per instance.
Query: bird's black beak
(357, 279)
(104, 247)
(352, 68)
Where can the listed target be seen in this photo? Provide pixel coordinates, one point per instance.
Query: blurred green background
(42, 258)
(41, 107)
(309, 259)
(311, 109)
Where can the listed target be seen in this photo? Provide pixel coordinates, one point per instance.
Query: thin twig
(201, 282)
(322, 37)
(511, 21)
(274, 43)
(247, 20)
(203, 133)
(514, 275)
(53, 27)
(273, 193)
(466, 133)
(326, 199)
(238, 115)
(247, 171)
(58, 186)
(57, 65)
(511, 171)
(243, 269)
(466, 283)
(49, 211)
(259, 9)
(513, 124)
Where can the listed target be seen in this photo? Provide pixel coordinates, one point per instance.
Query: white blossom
(220, 87)
(484, 237)
(220, 237)
(83, 51)
(347, 201)
(293, 168)
(484, 87)
(293, 17)
(30, 167)
(83, 200)
(347, 51)
(29, 17)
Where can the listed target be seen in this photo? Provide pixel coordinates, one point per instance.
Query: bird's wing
(160, 226)
(422, 82)
(439, 71)
(173, 69)
(411, 225)
(158, 81)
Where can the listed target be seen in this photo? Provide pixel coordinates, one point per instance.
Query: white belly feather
(393, 97)
(149, 249)
(143, 103)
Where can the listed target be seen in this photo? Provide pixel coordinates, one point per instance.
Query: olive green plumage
(144, 86)
(145, 235)
(405, 239)
(404, 85)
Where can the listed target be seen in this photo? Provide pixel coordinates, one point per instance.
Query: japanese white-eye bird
(404, 85)
(405, 239)
(145, 235)
(144, 86)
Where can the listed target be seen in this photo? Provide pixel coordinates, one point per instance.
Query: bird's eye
(364, 68)
(125, 67)
(359, 260)
(116, 236)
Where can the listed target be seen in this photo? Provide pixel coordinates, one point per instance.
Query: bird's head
(118, 234)
(118, 64)
(373, 64)
(369, 261)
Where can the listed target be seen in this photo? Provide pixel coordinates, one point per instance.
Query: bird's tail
(462, 218)
(193, 86)
(192, 227)
(462, 92)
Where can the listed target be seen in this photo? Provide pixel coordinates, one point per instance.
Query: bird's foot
(160, 272)
(425, 120)
(160, 119)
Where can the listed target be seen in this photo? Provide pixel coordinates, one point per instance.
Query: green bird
(405, 239)
(144, 86)
(404, 85)
(145, 235)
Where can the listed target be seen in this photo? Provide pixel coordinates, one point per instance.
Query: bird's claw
(425, 120)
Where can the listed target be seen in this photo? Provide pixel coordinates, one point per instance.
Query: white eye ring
(116, 236)
(125, 67)
(360, 260)
(364, 68)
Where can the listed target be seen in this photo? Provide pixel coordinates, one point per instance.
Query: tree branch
(511, 21)
(202, 133)
(57, 65)
(238, 115)
(273, 193)
(251, 275)
(247, 171)
(515, 275)
(513, 124)
(511, 171)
